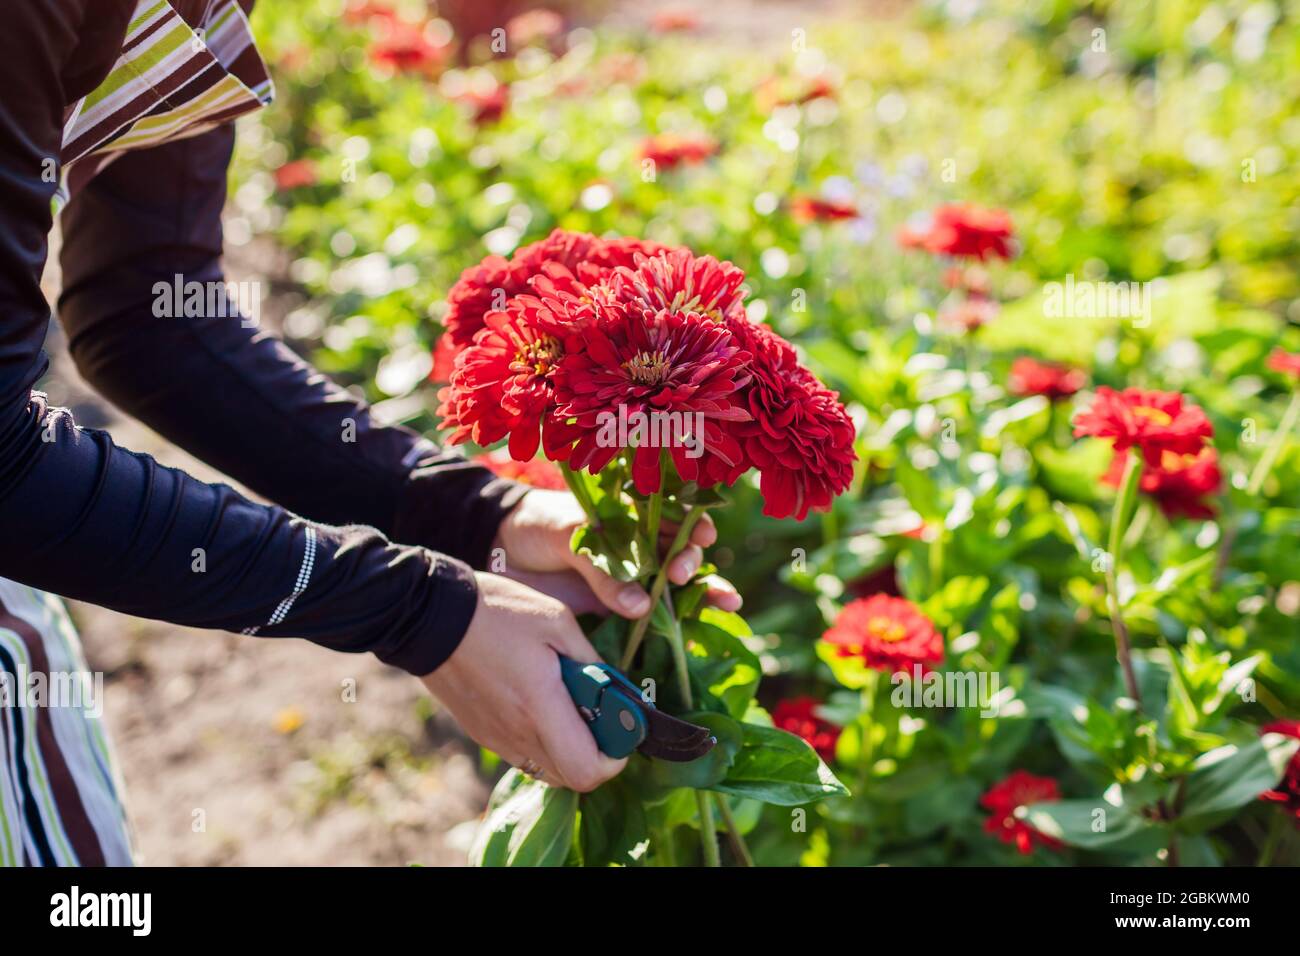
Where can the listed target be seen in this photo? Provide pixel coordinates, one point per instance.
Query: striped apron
(186, 66)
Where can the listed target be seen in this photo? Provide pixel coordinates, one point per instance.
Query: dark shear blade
(668, 738)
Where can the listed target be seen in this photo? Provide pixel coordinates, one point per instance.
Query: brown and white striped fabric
(60, 792)
(186, 66)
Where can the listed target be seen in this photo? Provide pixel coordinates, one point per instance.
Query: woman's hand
(503, 685)
(535, 537)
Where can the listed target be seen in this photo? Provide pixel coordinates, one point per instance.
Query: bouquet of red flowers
(634, 366)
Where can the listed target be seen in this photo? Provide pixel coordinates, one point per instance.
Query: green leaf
(612, 826)
(939, 806)
(721, 663)
(1232, 776)
(528, 824)
(1088, 824)
(953, 604)
(616, 549)
(777, 767)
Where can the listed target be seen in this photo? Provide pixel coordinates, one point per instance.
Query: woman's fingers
(721, 594)
(567, 587)
(683, 567)
(705, 532)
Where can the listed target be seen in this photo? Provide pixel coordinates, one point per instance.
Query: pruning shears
(622, 719)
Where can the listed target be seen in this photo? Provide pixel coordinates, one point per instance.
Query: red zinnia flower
(810, 209)
(1286, 362)
(1287, 792)
(797, 434)
(670, 150)
(888, 633)
(1005, 799)
(1032, 377)
(963, 230)
(537, 472)
(677, 280)
(1177, 483)
(492, 283)
(406, 48)
(502, 384)
(638, 364)
(798, 716)
(295, 175)
(1153, 422)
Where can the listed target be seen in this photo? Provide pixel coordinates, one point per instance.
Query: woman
(117, 112)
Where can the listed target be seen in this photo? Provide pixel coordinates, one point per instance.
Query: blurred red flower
(807, 209)
(674, 20)
(670, 150)
(1150, 421)
(973, 312)
(1005, 798)
(797, 434)
(798, 716)
(296, 174)
(1287, 792)
(1286, 362)
(362, 11)
(1178, 483)
(963, 230)
(775, 91)
(489, 105)
(537, 472)
(887, 633)
(406, 48)
(534, 26)
(1032, 377)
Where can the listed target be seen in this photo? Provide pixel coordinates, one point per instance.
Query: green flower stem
(1118, 525)
(660, 583)
(1269, 458)
(654, 512)
(708, 836)
(737, 840)
(703, 801)
(866, 748)
(579, 491)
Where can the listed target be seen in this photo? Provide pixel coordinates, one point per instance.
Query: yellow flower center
(647, 368)
(886, 629)
(539, 355)
(1154, 415)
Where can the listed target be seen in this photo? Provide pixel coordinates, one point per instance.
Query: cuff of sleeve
(455, 599)
(456, 510)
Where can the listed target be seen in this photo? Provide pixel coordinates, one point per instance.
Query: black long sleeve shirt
(82, 517)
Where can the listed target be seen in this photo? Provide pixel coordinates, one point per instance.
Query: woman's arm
(82, 517)
(229, 392)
